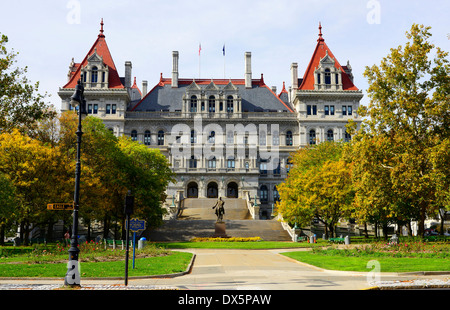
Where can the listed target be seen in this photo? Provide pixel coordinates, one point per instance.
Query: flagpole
(199, 50)
(224, 75)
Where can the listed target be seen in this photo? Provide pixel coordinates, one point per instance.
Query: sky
(49, 33)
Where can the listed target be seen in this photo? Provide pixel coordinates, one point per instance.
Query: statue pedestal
(220, 230)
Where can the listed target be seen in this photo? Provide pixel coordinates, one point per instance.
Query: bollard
(141, 243)
(347, 240)
(311, 239)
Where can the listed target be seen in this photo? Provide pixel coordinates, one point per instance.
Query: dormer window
(94, 75)
(230, 106)
(193, 104)
(327, 77)
(212, 104)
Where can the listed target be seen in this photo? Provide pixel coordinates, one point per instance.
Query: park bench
(38, 241)
(336, 240)
(301, 238)
(430, 238)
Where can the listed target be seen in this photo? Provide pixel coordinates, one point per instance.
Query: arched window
(312, 136)
(134, 135)
(147, 137)
(289, 138)
(94, 75)
(193, 104)
(330, 135)
(160, 137)
(327, 76)
(230, 107)
(264, 193)
(212, 104)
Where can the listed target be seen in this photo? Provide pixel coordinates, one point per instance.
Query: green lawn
(387, 264)
(168, 264)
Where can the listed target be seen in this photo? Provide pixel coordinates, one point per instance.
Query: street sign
(136, 225)
(60, 206)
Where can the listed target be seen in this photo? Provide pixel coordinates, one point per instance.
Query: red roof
(102, 50)
(319, 53)
(135, 86)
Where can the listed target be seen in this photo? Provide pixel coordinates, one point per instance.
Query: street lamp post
(72, 277)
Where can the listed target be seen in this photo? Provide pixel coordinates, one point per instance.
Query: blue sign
(136, 225)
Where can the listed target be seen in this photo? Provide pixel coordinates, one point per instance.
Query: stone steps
(201, 209)
(197, 219)
(185, 230)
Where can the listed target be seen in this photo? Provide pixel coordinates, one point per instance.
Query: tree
(7, 204)
(20, 105)
(318, 186)
(33, 170)
(408, 115)
(148, 174)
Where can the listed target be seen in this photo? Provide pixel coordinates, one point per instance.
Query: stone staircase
(201, 209)
(197, 219)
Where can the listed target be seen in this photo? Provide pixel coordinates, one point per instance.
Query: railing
(294, 233)
(252, 206)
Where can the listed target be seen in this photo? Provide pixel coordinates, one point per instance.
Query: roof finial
(320, 32)
(101, 29)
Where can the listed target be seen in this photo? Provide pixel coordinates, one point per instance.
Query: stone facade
(229, 138)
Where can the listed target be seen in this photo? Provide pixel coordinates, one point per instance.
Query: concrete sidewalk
(216, 269)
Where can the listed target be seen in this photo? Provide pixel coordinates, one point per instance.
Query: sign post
(135, 226)
(128, 210)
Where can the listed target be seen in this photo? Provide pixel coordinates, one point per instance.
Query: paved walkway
(236, 270)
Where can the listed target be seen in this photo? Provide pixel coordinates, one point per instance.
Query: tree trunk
(2, 234)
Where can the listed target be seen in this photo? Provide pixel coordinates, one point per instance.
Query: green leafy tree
(7, 204)
(318, 186)
(20, 105)
(408, 115)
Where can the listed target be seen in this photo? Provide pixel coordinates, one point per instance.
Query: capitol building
(222, 137)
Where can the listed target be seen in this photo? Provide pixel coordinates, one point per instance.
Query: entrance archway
(212, 190)
(192, 190)
(232, 190)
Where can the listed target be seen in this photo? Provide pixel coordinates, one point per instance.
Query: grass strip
(167, 264)
(387, 264)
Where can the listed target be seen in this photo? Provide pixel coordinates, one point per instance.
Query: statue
(220, 210)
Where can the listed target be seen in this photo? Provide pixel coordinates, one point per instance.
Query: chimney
(144, 88)
(294, 75)
(128, 68)
(175, 69)
(248, 70)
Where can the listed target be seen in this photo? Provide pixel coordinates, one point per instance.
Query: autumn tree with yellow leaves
(401, 153)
